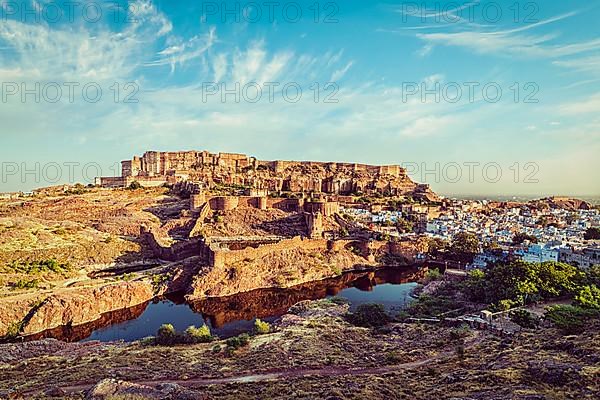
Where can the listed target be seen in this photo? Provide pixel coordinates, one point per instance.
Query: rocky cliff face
(277, 269)
(73, 307)
(86, 305)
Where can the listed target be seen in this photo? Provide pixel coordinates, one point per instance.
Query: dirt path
(290, 373)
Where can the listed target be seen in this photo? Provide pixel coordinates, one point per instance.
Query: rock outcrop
(78, 306)
(279, 268)
(113, 389)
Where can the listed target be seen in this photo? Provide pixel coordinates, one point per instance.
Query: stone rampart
(221, 257)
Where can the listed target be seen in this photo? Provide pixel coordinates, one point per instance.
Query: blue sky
(376, 54)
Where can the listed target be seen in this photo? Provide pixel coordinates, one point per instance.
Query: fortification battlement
(260, 178)
(163, 163)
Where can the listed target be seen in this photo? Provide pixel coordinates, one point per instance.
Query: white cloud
(339, 73)
(514, 42)
(591, 105)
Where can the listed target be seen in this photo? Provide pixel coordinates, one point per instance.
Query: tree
(592, 234)
(465, 243)
(520, 237)
(134, 185)
(369, 315)
(474, 285)
(519, 282)
(555, 279)
(166, 335)
(261, 327)
(404, 226)
(437, 245)
(593, 275)
(588, 297)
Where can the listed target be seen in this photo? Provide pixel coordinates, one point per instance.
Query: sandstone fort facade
(210, 169)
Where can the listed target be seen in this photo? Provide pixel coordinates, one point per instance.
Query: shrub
(369, 315)
(433, 274)
(198, 335)
(26, 284)
(570, 319)
(261, 327)
(134, 185)
(339, 300)
(148, 341)
(393, 357)
(336, 269)
(430, 306)
(13, 330)
(166, 335)
(524, 319)
(37, 267)
(236, 342)
(459, 333)
(588, 297)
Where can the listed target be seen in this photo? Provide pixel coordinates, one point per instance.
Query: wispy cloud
(339, 73)
(591, 105)
(508, 42)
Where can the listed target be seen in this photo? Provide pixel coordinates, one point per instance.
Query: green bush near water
(261, 327)
(369, 315)
(168, 336)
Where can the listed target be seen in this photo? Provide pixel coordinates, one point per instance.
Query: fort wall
(220, 257)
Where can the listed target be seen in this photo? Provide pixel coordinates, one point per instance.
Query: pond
(232, 315)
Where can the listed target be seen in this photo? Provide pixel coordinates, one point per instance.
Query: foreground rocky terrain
(315, 353)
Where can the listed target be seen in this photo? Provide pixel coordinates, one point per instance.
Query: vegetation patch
(261, 327)
(168, 336)
(369, 315)
(570, 319)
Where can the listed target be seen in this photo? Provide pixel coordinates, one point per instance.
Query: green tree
(404, 226)
(593, 275)
(465, 243)
(588, 297)
(198, 335)
(437, 245)
(474, 285)
(261, 327)
(369, 315)
(520, 282)
(166, 335)
(519, 238)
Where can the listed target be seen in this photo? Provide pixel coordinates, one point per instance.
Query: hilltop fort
(211, 170)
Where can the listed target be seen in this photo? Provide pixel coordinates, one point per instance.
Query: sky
(475, 97)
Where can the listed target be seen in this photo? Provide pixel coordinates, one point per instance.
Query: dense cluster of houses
(555, 234)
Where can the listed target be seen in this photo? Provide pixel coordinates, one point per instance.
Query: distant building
(538, 253)
(582, 258)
